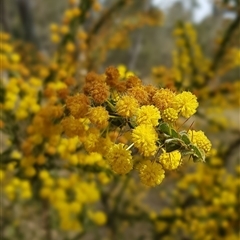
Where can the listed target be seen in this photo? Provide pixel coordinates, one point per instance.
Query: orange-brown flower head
(72, 127)
(49, 92)
(78, 105)
(113, 75)
(70, 81)
(63, 93)
(93, 77)
(140, 94)
(121, 86)
(133, 81)
(96, 87)
(50, 112)
(90, 80)
(151, 90)
(100, 93)
(162, 98)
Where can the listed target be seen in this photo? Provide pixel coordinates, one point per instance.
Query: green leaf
(164, 127)
(172, 147)
(186, 153)
(173, 133)
(185, 138)
(172, 144)
(198, 153)
(174, 140)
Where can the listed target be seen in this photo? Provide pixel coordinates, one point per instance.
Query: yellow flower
(127, 106)
(148, 115)
(199, 138)
(170, 115)
(144, 138)
(122, 70)
(73, 127)
(98, 217)
(120, 159)
(75, 207)
(99, 116)
(170, 160)
(91, 141)
(151, 173)
(55, 38)
(186, 103)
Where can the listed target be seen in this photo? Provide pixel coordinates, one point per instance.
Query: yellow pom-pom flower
(170, 115)
(91, 140)
(99, 116)
(151, 173)
(120, 159)
(98, 217)
(186, 103)
(148, 115)
(127, 106)
(200, 139)
(144, 138)
(170, 160)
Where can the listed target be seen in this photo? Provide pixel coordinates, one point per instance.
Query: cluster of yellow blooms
(144, 115)
(204, 206)
(73, 140)
(56, 191)
(115, 119)
(193, 69)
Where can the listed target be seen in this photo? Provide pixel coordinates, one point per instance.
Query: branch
(105, 16)
(220, 53)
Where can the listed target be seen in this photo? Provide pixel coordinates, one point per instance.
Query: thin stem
(130, 146)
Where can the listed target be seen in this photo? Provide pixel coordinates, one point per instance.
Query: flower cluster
(148, 121)
(78, 148)
(204, 204)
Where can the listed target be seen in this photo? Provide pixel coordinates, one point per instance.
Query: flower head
(170, 160)
(127, 106)
(162, 98)
(112, 76)
(78, 105)
(96, 87)
(199, 138)
(133, 81)
(139, 93)
(151, 173)
(144, 138)
(99, 116)
(148, 115)
(99, 92)
(99, 217)
(73, 127)
(91, 140)
(120, 159)
(186, 103)
(151, 90)
(170, 115)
